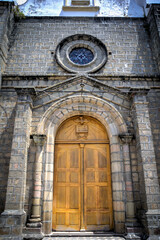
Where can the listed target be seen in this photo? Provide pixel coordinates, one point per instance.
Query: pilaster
(35, 220)
(150, 194)
(14, 216)
(132, 227)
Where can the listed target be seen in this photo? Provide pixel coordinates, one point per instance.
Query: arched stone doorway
(115, 125)
(82, 197)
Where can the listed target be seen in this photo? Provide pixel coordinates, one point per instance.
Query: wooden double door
(82, 183)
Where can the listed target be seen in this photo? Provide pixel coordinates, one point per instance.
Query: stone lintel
(39, 139)
(80, 8)
(126, 138)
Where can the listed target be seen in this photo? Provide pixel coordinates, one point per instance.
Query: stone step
(84, 238)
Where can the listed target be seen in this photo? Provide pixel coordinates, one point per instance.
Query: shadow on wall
(30, 178)
(5, 152)
(143, 63)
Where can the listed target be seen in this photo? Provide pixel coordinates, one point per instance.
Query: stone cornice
(65, 76)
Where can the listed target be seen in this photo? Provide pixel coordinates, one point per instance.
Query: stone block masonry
(7, 117)
(37, 95)
(6, 26)
(154, 27)
(33, 47)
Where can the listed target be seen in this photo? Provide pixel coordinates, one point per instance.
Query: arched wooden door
(82, 180)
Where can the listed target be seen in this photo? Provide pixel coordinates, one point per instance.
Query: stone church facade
(79, 96)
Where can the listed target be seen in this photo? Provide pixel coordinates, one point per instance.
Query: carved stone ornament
(81, 128)
(126, 138)
(39, 139)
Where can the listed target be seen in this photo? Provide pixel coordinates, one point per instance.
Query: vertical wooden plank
(98, 199)
(82, 226)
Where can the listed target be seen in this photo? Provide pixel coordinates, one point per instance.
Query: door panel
(66, 207)
(97, 187)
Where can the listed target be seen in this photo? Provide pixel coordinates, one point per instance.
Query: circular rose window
(81, 53)
(81, 56)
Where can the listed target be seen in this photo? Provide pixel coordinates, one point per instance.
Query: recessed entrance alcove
(82, 198)
(92, 138)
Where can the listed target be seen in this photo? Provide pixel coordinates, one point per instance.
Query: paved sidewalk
(83, 238)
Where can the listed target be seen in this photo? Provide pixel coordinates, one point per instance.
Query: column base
(34, 222)
(34, 225)
(11, 224)
(133, 229)
(32, 233)
(132, 236)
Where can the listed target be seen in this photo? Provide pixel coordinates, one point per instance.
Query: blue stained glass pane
(81, 56)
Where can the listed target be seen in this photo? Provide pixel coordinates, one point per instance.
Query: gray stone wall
(6, 26)
(7, 115)
(35, 40)
(154, 30)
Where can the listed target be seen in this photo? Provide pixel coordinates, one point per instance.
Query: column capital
(138, 91)
(25, 94)
(126, 138)
(39, 139)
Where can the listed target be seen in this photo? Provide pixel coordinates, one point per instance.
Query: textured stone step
(84, 238)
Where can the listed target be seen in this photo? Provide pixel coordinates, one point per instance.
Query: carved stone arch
(71, 104)
(114, 123)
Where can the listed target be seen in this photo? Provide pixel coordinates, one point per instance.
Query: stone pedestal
(150, 194)
(12, 219)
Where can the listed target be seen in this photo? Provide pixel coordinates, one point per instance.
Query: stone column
(13, 217)
(131, 221)
(150, 194)
(35, 220)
